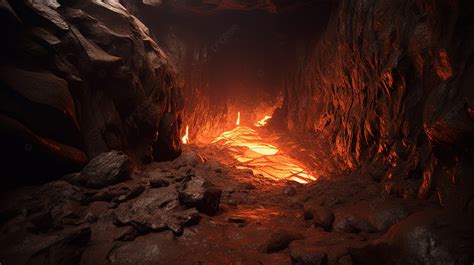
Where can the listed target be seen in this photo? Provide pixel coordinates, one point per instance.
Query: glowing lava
(253, 152)
(263, 121)
(185, 138)
(238, 119)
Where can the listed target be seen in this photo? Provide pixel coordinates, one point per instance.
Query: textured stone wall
(79, 78)
(391, 82)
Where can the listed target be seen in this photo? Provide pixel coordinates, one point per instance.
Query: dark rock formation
(156, 210)
(280, 240)
(104, 170)
(199, 193)
(375, 216)
(322, 217)
(78, 78)
(63, 248)
(429, 237)
(390, 82)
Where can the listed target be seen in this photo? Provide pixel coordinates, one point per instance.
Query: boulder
(156, 210)
(199, 193)
(305, 256)
(430, 237)
(279, 241)
(104, 170)
(370, 216)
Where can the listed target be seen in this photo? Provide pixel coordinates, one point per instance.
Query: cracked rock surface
(146, 219)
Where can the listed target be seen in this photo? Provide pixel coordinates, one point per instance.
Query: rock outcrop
(78, 78)
(390, 82)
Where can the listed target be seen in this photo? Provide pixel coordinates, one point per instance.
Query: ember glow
(185, 138)
(263, 121)
(238, 119)
(253, 152)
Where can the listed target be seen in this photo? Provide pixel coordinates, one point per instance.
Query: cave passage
(257, 153)
(329, 132)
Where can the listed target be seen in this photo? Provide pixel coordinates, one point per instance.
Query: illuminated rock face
(79, 79)
(391, 82)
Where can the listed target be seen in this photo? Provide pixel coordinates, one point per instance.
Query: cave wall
(390, 85)
(79, 78)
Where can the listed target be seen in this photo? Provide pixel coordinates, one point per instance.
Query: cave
(237, 132)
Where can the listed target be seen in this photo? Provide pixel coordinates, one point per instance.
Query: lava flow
(185, 138)
(257, 154)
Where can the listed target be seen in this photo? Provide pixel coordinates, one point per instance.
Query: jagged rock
(71, 55)
(117, 193)
(280, 240)
(369, 109)
(199, 193)
(49, 14)
(104, 170)
(431, 236)
(156, 210)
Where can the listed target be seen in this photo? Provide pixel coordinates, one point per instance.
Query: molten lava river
(260, 154)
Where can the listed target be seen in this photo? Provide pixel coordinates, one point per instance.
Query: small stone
(280, 240)
(323, 217)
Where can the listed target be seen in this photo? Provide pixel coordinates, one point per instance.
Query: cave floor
(141, 220)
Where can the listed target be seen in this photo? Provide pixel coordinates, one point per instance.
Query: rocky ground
(195, 210)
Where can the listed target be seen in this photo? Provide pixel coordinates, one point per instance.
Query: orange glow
(185, 138)
(238, 119)
(263, 121)
(252, 152)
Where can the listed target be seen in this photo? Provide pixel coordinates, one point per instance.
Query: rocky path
(199, 209)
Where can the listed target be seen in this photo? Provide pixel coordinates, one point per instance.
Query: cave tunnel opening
(233, 64)
(236, 132)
